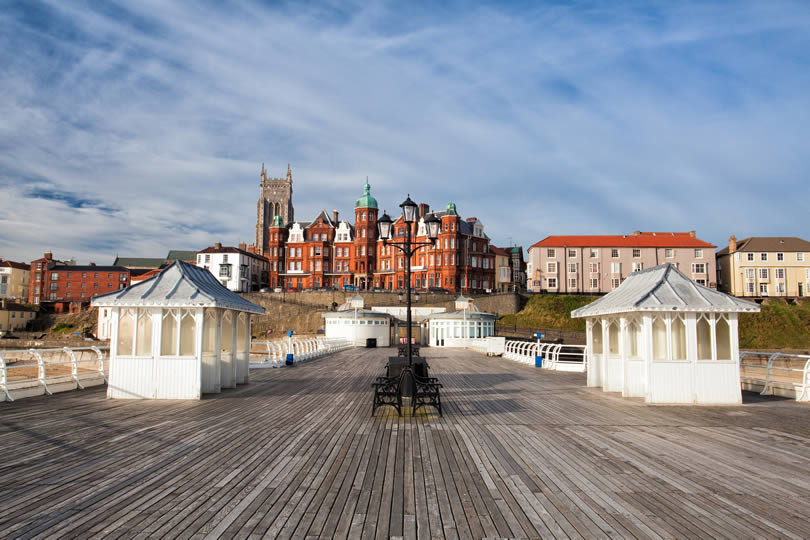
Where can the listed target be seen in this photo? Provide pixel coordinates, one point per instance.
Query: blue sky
(137, 127)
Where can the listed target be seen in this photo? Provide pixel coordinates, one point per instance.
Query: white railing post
(74, 367)
(40, 370)
(768, 376)
(805, 395)
(100, 362)
(4, 379)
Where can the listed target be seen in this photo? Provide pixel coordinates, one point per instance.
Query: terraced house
(598, 264)
(765, 266)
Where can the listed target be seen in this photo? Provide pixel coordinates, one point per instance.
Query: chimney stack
(335, 217)
(92, 264)
(218, 245)
(636, 233)
(242, 246)
(692, 234)
(424, 209)
(48, 255)
(732, 244)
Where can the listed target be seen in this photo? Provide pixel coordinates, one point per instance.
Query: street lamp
(408, 248)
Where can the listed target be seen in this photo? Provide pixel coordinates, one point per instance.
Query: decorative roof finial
(289, 172)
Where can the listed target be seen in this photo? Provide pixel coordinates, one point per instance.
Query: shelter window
(722, 332)
(241, 331)
(659, 338)
(678, 329)
(613, 336)
(596, 332)
(126, 330)
(226, 342)
(143, 331)
(633, 336)
(704, 339)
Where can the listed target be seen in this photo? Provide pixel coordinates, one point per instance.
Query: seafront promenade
(519, 452)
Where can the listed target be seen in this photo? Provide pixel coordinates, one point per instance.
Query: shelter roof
(663, 288)
(179, 285)
(770, 244)
(468, 315)
(667, 239)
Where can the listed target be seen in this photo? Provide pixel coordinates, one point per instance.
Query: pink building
(598, 264)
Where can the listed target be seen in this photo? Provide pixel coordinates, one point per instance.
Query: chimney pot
(335, 216)
(218, 245)
(692, 234)
(636, 233)
(48, 255)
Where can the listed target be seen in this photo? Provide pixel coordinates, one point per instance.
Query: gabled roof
(498, 251)
(770, 244)
(139, 262)
(179, 285)
(663, 288)
(667, 239)
(230, 249)
(181, 255)
(325, 217)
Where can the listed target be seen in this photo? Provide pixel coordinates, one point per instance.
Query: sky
(132, 128)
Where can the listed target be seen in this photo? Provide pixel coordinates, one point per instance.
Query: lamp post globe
(384, 226)
(409, 209)
(433, 225)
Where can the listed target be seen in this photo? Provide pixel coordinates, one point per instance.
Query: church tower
(275, 199)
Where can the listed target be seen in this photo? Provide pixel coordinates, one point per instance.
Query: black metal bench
(402, 350)
(401, 381)
(426, 394)
(387, 392)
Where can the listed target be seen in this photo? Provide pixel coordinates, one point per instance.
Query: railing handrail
(801, 389)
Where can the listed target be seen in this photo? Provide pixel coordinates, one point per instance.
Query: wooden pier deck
(520, 452)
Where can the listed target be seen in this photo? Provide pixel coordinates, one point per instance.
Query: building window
(207, 258)
(109, 276)
(39, 266)
(594, 253)
(616, 268)
(243, 271)
(594, 283)
(54, 276)
(638, 267)
(636, 253)
(95, 285)
(38, 276)
(669, 253)
(84, 285)
(779, 273)
(552, 283)
(698, 268)
(780, 256)
(225, 258)
(594, 268)
(572, 253)
(551, 267)
(615, 282)
(701, 282)
(70, 274)
(614, 253)
(572, 283)
(54, 286)
(572, 268)
(53, 296)
(799, 257)
(749, 256)
(698, 253)
(225, 270)
(763, 273)
(780, 288)
(122, 277)
(763, 257)
(763, 289)
(95, 275)
(551, 253)
(749, 287)
(84, 275)
(751, 274)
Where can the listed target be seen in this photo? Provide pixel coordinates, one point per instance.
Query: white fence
(274, 353)
(776, 374)
(35, 372)
(555, 356)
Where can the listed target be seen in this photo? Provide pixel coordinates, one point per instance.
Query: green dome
(451, 209)
(277, 222)
(515, 250)
(366, 201)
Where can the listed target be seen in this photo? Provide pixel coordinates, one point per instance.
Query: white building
(458, 328)
(356, 324)
(235, 268)
(665, 338)
(176, 336)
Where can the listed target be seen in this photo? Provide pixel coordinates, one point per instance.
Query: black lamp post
(408, 248)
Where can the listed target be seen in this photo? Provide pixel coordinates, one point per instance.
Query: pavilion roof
(178, 285)
(663, 288)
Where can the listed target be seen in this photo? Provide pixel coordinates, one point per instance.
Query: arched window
(678, 339)
(613, 336)
(704, 339)
(722, 332)
(659, 338)
(596, 332)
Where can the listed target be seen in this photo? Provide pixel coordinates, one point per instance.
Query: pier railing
(31, 372)
(776, 374)
(554, 356)
(274, 353)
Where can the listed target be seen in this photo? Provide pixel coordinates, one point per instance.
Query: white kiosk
(356, 324)
(177, 335)
(458, 328)
(663, 337)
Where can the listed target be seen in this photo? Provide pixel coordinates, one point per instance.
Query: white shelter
(663, 337)
(459, 328)
(356, 324)
(177, 335)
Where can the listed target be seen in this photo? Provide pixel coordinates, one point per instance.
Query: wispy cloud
(145, 123)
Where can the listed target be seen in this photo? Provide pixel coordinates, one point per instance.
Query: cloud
(144, 124)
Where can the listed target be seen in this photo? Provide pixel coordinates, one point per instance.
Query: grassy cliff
(550, 311)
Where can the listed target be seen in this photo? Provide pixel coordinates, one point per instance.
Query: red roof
(498, 251)
(17, 265)
(665, 239)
